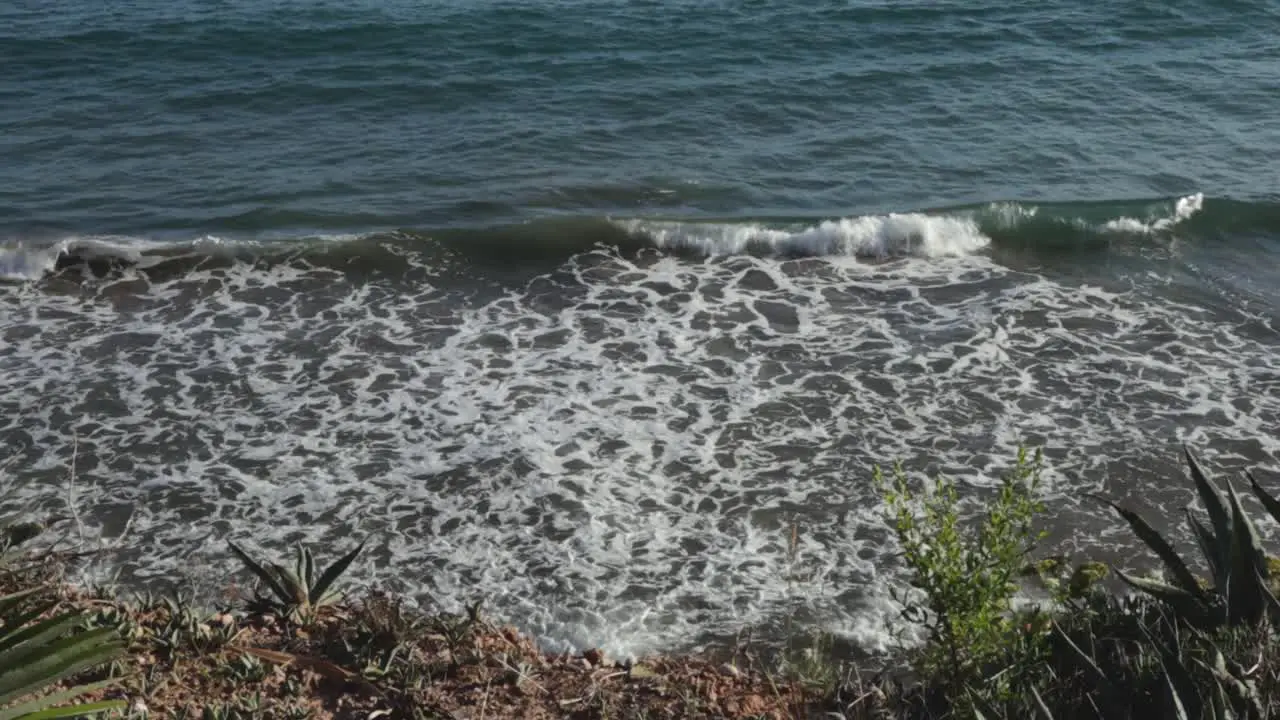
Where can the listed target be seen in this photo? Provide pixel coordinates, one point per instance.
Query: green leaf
(1220, 710)
(1154, 540)
(1248, 561)
(309, 568)
(57, 661)
(1187, 702)
(7, 602)
(332, 573)
(1210, 497)
(1268, 501)
(76, 711)
(1179, 709)
(11, 603)
(1190, 607)
(1241, 693)
(36, 709)
(1215, 556)
(262, 573)
(1269, 600)
(18, 645)
(979, 704)
(16, 631)
(296, 592)
(1040, 704)
(1087, 662)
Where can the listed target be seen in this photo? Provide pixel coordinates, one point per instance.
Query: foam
(875, 236)
(21, 264)
(1184, 208)
(613, 453)
(950, 234)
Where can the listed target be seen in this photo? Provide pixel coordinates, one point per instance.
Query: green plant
(811, 661)
(247, 669)
(1084, 580)
(38, 650)
(295, 712)
(298, 592)
(1239, 589)
(1067, 584)
(185, 627)
(1228, 693)
(964, 579)
(457, 631)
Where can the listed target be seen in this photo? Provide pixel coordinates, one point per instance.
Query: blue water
(582, 305)
(147, 116)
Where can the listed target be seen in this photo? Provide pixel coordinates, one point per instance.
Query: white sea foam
(615, 453)
(1183, 209)
(23, 264)
(878, 236)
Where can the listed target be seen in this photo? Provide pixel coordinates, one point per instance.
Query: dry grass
(377, 657)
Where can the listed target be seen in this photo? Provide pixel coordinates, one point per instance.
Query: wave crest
(955, 232)
(876, 236)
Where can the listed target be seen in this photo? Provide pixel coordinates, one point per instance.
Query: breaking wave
(1048, 228)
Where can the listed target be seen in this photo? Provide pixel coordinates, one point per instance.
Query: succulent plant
(38, 652)
(40, 648)
(1239, 590)
(298, 592)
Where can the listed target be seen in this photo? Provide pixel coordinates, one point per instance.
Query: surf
(1053, 229)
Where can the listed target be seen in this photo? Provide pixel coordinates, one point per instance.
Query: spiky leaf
(1270, 601)
(17, 630)
(267, 577)
(310, 568)
(76, 711)
(1215, 553)
(51, 662)
(1154, 540)
(1179, 708)
(1242, 693)
(1209, 496)
(1248, 561)
(39, 708)
(320, 590)
(1043, 709)
(1086, 662)
(1187, 702)
(17, 644)
(12, 601)
(1188, 606)
(1267, 499)
(295, 591)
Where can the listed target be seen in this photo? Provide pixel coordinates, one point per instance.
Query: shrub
(964, 579)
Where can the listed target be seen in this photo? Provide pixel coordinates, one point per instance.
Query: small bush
(964, 578)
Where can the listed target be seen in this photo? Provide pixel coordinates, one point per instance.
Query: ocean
(604, 311)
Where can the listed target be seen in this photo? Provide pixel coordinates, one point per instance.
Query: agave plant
(36, 654)
(38, 649)
(298, 591)
(1239, 589)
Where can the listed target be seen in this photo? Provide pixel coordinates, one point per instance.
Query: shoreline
(374, 653)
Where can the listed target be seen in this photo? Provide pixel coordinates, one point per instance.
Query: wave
(949, 232)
